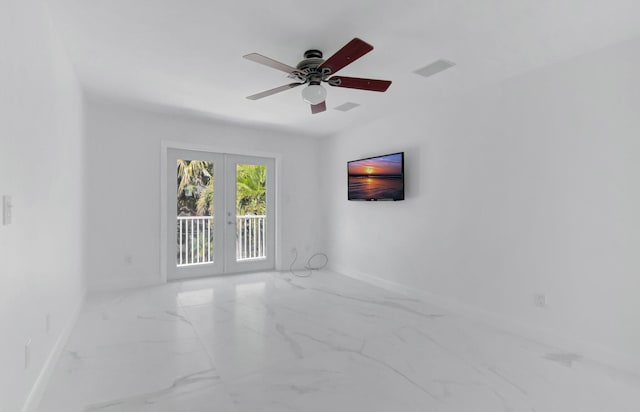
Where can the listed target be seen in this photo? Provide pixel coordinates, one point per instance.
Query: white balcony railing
(195, 239)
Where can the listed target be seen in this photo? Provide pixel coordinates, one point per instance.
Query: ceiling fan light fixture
(314, 94)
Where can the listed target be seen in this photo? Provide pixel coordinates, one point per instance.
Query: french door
(220, 215)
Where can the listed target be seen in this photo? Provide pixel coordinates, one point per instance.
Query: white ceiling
(187, 54)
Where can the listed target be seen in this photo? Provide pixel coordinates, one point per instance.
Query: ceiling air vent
(435, 67)
(346, 107)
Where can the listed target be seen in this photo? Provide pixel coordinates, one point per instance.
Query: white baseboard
(588, 350)
(40, 385)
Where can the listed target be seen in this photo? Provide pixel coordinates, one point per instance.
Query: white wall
(530, 186)
(41, 154)
(123, 171)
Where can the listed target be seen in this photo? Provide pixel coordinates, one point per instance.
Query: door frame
(165, 146)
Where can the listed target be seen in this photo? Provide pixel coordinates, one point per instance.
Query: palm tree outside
(196, 188)
(195, 194)
(251, 183)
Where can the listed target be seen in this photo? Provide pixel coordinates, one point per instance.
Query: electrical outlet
(540, 300)
(27, 354)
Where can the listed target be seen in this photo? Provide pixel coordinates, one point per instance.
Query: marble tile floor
(273, 342)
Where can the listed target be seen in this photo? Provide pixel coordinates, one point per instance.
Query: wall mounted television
(376, 178)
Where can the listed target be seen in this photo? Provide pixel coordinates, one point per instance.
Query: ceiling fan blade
(318, 108)
(273, 91)
(358, 83)
(274, 64)
(352, 51)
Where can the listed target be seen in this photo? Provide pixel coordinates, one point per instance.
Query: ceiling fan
(314, 69)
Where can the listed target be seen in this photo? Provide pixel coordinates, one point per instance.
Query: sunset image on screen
(376, 178)
(378, 166)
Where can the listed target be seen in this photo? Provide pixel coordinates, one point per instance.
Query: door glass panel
(251, 211)
(194, 229)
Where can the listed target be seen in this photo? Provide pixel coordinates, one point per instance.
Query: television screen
(376, 178)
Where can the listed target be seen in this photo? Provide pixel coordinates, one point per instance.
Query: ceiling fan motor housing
(313, 53)
(309, 66)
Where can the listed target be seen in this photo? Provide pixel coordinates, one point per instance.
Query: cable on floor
(324, 260)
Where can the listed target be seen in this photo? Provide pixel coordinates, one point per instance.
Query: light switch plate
(6, 210)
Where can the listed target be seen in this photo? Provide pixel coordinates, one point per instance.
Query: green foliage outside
(195, 183)
(251, 193)
(196, 188)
